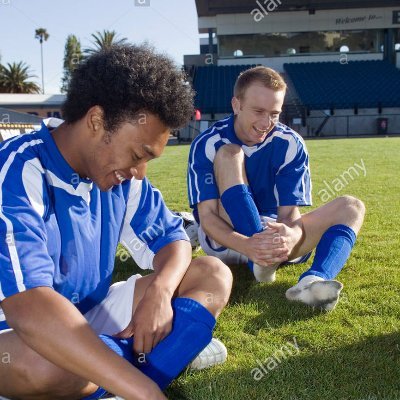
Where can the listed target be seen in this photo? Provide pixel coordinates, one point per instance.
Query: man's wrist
(296, 236)
(159, 288)
(240, 243)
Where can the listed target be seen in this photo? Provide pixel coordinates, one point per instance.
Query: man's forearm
(220, 231)
(170, 265)
(62, 336)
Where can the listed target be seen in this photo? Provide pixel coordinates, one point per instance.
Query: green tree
(104, 40)
(14, 78)
(72, 57)
(42, 35)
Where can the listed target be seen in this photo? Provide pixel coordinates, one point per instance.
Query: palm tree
(104, 40)
(42, 35)
(14, 79)
(72, 58)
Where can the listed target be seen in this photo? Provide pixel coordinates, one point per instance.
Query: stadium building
(341, 60)
(23, 113)
(14, 123)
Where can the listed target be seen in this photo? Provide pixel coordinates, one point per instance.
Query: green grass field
(350, 353)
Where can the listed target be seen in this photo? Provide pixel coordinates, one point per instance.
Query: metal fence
(352, 125)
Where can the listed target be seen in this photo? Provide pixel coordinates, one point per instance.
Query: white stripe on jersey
(139, 251)
(201, 137)
(32, 179)
(10, 141)
(303, 184)
(82, 190)
(276, 195)
(250, 150)
(210, 147)
(10, 231)
(291, 152)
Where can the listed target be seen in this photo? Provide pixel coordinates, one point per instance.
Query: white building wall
(277, 62)
(299, 21)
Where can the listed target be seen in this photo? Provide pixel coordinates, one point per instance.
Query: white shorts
(212, 248)
(114, 313)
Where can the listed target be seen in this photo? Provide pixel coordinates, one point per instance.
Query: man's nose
(266, 121)
(139, 172)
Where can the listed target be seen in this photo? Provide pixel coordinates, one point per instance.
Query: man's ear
(95, 121)
(235, 105)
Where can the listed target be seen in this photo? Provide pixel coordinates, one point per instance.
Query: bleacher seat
(214, 86)
(363, 84)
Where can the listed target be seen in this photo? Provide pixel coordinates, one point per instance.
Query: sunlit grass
(350, 353)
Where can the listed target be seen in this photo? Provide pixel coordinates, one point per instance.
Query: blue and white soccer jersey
(59, 230)
(277, 170)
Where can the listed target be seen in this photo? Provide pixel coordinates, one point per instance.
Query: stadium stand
(341, 61)
(14, 123)
(363, 84)
(213, 86)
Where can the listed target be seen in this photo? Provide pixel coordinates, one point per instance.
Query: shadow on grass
(367, 370)
(275, 309)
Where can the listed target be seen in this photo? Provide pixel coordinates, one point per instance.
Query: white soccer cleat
(214, 353)
(191, 227)
(265, 274)
(316, 292)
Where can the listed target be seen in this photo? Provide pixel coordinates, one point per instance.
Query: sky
(169, 25)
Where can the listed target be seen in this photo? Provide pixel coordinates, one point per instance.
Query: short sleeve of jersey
(293, 181)
(149, 225)
(200, 178)
(24, 259)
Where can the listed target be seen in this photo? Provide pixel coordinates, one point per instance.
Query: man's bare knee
(44, 380)
(349, 211)
(351, 206)
(229, 166)
(222, 278)
(61, 384)
(213, 278)
(228, 152)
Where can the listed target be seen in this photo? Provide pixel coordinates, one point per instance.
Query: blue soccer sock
(191, 332)
(239, 204)
(332, 252)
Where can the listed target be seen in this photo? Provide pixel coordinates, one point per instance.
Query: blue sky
(170, 25)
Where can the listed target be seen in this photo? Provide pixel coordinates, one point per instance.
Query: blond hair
(266, 76)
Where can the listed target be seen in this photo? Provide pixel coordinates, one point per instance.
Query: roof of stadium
(16, 99)
(11, 117)
(210, 8)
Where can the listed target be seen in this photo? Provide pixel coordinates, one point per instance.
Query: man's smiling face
(257, 112)
(124, 153)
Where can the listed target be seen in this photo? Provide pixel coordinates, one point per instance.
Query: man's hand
(151, 321)
(273, 245)
(290, 236)
(267, 248)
